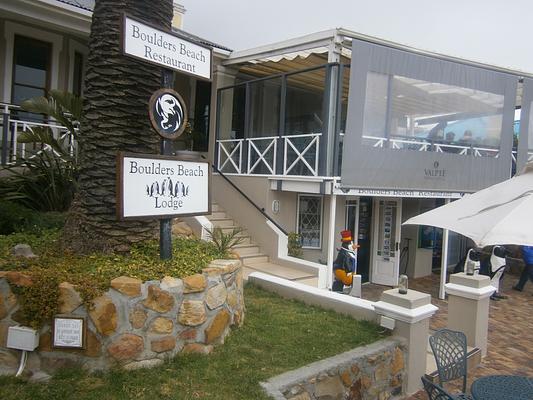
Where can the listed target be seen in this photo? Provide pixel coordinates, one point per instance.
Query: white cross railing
(313, 145)
(421, 145)
(253, 149)
(225, 146)
(15, 126)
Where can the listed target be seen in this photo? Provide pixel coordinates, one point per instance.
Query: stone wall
(373, 372)
(135, 324)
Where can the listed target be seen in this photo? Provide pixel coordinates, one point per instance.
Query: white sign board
(171, 51)
(68, 332)
(161, 186)
(428, 194)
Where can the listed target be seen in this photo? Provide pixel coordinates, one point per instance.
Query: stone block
(182, 229)
(19, 279)
(171, 284)
(8, 359)
(154, 362)
(397, 363)
(161, 325)
(126, 347)
(216, 296)
(192, 313)
(330, 388)
(69, 298)
(93, 347)
(197, 348)
(188, 334)
(23, 250)
(158, 300)
(356, 390)
(301, 396)
(127, 286)
(138, 318)
(161, 345)
(194, 283)
(217, 327)
(232, 298)
(104, 315)
(346, 378)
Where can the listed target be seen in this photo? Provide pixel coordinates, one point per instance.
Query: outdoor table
(502, 387)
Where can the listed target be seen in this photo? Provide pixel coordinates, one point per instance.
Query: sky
(497, 32)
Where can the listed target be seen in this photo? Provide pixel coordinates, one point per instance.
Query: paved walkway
(510, 341)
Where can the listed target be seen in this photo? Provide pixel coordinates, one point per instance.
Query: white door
(386, 241)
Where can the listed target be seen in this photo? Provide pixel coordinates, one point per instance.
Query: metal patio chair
(434, 391)
(449, 349)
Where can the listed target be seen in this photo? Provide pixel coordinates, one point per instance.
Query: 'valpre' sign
(169, 50)
(161, 186)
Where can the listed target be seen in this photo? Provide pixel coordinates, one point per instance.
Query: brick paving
(510, 340)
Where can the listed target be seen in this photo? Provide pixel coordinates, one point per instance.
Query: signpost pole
(165, 225)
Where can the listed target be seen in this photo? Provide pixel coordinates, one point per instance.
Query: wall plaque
(69, 332)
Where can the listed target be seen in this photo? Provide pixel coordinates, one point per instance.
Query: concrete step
(222, 222)
(217, 215)
(281, 271)
(216, 207)
(244, 249)
(228, 229)
(252, 259)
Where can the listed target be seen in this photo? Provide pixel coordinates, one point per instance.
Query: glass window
(304, 102)
(407, 113)
(77, 84)
(30, 69)
(310, 220)
(530, 133)
(200, 124)
(231, 110)
(265, 101)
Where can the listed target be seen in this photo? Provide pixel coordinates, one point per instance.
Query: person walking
(527, 255)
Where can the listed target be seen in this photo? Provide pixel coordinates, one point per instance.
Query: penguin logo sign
(168, 113)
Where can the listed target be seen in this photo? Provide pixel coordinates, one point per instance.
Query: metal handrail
(261, 210)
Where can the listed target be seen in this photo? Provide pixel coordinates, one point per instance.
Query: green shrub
(294, 245)
(92, 274)
(16, 218)
(44, 182)
(12, 217)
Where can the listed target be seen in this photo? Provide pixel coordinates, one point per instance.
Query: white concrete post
(468, 307)
(411, 313)
(331, 238)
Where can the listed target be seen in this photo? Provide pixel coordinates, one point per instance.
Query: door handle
(397, 246)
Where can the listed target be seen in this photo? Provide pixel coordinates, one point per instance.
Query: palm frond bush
(46, 180)
(225, 241)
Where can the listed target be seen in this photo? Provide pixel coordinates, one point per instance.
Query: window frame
(321, 210)
(49, 49)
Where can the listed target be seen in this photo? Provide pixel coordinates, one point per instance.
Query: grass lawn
(278, 335)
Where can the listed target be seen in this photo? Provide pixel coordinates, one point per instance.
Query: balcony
(14, 121)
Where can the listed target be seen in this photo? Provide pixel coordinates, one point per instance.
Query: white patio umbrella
(499, 214)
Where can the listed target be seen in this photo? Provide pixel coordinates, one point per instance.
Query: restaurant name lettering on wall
(163, 186)
(140, 40)
(435, 172)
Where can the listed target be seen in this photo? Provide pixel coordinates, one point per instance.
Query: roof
(83, 4)
(199, 40)
(88, 5)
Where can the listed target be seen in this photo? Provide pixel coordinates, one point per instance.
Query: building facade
(331, 131)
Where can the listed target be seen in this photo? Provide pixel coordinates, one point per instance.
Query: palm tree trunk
(115, 118)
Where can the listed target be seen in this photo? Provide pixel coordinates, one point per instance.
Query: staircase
(251, 256)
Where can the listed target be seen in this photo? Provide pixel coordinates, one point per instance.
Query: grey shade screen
(423, 123)
(525, 139)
